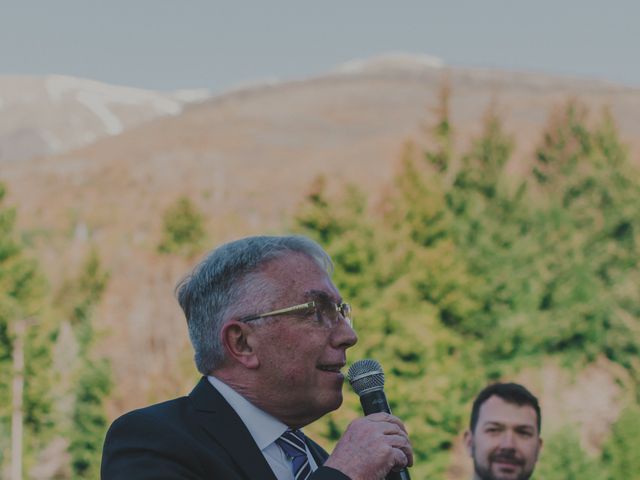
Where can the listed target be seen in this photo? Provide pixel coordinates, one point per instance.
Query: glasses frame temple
(282, 311)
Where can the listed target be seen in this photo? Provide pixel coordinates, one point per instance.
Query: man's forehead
(293, 261)
(297, 271)
(497, 410)
(330, 294)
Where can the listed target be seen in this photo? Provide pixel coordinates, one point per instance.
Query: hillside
(54, 114)
(246, 159)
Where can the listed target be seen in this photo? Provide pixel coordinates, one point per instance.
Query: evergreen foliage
(183, 228)
(564, 459)
(78, 300)
(462, 274)
(22, 294)
(621, 454)
(89, 418)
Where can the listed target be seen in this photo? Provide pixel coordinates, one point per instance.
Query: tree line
(463, 274)
(460, 273)
(52, 385)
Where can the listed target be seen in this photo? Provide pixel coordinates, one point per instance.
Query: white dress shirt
(264, 429)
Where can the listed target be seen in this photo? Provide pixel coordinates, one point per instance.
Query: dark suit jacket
(194, 437)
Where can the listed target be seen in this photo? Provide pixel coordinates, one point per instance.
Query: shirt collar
(264, 428)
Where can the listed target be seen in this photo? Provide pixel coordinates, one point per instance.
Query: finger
(393, 428)
(408, 453)
(400, 459)
(399, 441)
(388, 428)
(402, 443)
(386, 417)
(379, 417)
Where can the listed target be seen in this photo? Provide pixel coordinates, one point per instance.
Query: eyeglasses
(327, 312)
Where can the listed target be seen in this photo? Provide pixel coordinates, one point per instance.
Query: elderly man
(270, 333)
(504, 433)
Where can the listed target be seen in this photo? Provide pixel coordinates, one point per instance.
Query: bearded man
(504, 433)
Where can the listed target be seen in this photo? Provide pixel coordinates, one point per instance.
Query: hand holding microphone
(377, 446)
(367, 379)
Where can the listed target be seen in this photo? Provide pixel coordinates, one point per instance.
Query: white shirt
(264, 429)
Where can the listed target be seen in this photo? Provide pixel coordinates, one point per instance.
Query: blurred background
(472, 168)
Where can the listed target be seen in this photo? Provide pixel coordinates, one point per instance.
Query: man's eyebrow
(492, 423)
(525, 426)
(497, 423)
(321, 295)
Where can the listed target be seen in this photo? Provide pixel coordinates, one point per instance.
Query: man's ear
(237, 338)
(468, 442)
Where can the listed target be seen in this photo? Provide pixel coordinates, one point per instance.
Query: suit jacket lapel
(223, 423)
(318, 453)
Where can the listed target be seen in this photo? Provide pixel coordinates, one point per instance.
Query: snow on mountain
(58, 86)
(191, 96)
(389, 62)
(99, 97)
(56, 113)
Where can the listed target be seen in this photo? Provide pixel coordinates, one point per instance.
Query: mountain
(246, 159)
(54, 114)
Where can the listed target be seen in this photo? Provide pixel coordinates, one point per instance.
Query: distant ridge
(390, 61)
(246, 158)
(56, 113)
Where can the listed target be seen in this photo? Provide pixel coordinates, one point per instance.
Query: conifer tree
(78, 299)
(563, 458)
(441, 154)
(620, 454)
(463, 274)
(591, 197)
(399, 270)
(183, 228)
(22, 293)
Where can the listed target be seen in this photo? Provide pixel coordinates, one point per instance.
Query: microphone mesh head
(366, 376)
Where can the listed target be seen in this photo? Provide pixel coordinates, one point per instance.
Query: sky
(169, 45)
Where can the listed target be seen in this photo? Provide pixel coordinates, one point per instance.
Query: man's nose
(344, 335)
(507, 440)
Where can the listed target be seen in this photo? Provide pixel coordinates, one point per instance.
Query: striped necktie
(292, 444)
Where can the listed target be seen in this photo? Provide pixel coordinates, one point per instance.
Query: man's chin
(508, 471)
(328, 404)
(334, 402)
(501, 472)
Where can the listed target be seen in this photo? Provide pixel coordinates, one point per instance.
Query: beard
(483, 472)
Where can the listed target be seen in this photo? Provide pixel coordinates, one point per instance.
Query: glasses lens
(345, 311)
(330, 312)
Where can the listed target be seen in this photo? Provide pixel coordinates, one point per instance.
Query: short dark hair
(510, 393)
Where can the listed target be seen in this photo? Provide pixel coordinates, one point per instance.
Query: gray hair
(222, 280)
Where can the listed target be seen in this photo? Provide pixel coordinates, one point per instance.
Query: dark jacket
(195, 437)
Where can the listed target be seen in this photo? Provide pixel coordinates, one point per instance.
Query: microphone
(367, 380)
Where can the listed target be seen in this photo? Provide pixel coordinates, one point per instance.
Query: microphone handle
(374, 402)
(401, 475)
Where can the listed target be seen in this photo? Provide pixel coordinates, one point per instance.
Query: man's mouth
(335, 368)
(506, 460)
